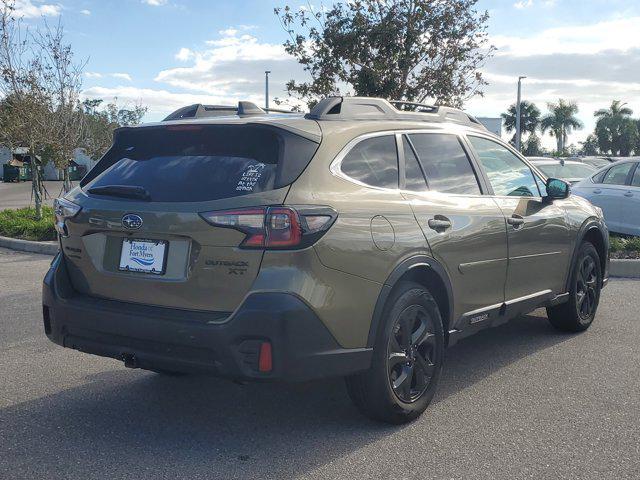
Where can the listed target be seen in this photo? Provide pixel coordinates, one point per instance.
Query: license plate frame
(158, 249)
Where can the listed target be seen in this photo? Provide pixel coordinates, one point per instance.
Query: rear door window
(618, 174)
(445, 163)
(373, 161)
(414, 176)
(599, 177)
(190, 163)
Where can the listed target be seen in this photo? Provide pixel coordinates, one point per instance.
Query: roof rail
(402, 103)
(368, 108)
(243, 109)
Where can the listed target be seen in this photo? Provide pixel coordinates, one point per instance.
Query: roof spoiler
(243, 109)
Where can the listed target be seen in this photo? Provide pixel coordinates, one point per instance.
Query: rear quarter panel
(375, 230)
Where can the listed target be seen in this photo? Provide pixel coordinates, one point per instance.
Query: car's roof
(618, 162)
(315, 129)
(331, 115)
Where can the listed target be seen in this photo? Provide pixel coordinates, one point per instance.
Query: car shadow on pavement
(137, 424)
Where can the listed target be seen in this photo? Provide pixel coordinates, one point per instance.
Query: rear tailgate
(203, 266)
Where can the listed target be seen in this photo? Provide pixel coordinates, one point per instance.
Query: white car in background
(596, 162)
(616, 190)
(567, 170)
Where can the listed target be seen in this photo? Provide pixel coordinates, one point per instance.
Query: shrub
(22, 223)
(622, 244)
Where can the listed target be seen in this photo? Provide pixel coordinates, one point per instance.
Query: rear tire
(577, 314)
(407, 358)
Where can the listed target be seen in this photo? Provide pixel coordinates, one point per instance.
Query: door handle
(439, 224)
(515, 220)
(628, 194)
(597, 190)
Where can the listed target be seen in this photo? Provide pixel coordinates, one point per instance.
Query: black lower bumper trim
(302, 346)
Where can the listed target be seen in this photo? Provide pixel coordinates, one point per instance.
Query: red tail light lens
(265, 359)
(275, 227)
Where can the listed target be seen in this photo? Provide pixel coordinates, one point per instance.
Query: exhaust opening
(130, 360)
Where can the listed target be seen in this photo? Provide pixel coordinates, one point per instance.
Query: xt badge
(233, 267)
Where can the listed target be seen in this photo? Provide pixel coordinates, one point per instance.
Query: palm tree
(617, 132)
(560, 121)
(529, 117)
(616, 110)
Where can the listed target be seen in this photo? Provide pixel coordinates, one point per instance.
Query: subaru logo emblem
(132, 221)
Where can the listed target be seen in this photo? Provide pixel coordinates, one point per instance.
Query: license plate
(146, 256)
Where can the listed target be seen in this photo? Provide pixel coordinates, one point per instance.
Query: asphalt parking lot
(519, 401)
(18, 194)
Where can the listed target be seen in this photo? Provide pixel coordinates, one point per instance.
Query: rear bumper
(160, 338)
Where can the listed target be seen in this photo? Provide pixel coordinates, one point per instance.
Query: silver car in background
(616, 190)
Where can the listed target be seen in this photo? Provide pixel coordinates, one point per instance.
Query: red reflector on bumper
(265, 362)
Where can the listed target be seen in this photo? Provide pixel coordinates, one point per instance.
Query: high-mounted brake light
(275, 227)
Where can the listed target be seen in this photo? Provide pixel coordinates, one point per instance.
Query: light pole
(266, 89)
(518, 115)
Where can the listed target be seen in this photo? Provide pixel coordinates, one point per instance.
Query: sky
(169, 53)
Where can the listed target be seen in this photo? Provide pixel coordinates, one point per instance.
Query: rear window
(188, 163)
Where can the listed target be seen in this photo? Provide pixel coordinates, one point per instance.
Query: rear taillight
(275, 227)
(63, 210)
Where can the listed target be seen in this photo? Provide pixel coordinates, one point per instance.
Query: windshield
(568, 170)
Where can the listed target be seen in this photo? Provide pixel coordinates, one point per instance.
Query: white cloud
(229, 32)
(85, 12)
(520, 4)
(123, 76)
(155, 3)
(232, 65)
(617, 34)
(591, 64)
(184, 54)
(523, 4)
(26, 9)
(160, 102)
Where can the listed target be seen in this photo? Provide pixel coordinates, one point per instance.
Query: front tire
(578, 313)
(407, 358)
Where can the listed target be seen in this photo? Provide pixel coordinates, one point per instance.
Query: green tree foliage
(27, 100)
(616, 131)
(590, 146)
(400, 49)
(533, 146)
(100, 122)
(560, 122)
(529, 118)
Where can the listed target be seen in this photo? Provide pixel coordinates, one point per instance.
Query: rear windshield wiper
(125, 191)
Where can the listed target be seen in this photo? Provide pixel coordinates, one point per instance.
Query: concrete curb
(44, 248)
(625, 268)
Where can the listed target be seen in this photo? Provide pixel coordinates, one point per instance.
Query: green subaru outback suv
(358, 240)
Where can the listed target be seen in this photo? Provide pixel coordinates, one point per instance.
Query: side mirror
(557, 189)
